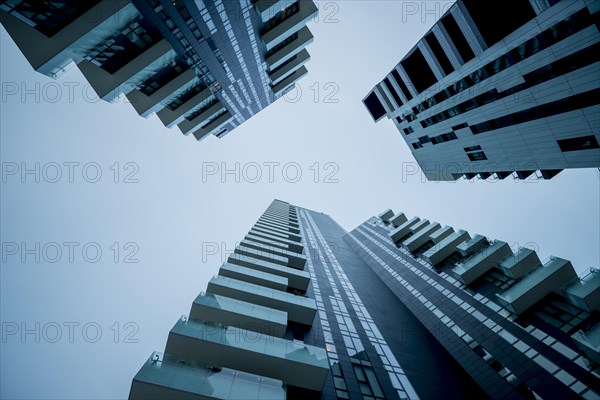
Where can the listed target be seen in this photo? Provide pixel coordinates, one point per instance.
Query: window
(417, 145)
(477, 156)
(439, 53)
(408, 131)
(173, 105)
(578, 143)
(418, 71)
(472, 148)
(367, 381)
(374, 106)
(457, 37)
(446, 137)
(424, 139)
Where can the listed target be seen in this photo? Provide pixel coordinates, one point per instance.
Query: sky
(110, 242)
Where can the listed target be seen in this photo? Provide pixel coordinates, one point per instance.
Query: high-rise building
(205, 66)
(497, 89)
(395, 309)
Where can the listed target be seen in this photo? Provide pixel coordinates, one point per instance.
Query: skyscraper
(205, 66)
(496, 89)
(395, 309)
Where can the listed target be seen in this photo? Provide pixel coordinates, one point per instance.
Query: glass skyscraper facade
(499, 90)
(397, 308)
(203, 66)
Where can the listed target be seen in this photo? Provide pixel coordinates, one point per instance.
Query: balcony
(268, 8)
(261, 255)
(441, 234)
(240, 314)
(253, 276)
(445, 248)
(538, 284)
(398, 219)
(386, 215)
(481, 262)
(289, 80)
(400, 232)
(288, 21)
(170, 118)
(420, 237)
(277, 234)
(213, 125)
(278, 227)
(589, 343)
(293, 362)
(299, 308)
(520, 263)
(585, 292)
(418, 226)
(296, 279)
(289, 48)
(294, 260)
(165, 378)
(294, 63)
(281, 243)
(473, 245)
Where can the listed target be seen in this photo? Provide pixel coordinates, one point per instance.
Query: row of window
(575, 61)
(562, 30)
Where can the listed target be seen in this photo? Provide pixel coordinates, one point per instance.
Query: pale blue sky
(171, 211)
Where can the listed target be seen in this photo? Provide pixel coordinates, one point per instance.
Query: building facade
(395, 309)
(203, 66)
(497, 90)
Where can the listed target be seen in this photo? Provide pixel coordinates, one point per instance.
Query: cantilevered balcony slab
(292, 65)
(300, 40)
(253, 276)
(51, 55)
(444, 249)
(420, 237)
(400, 232)
(299, 308)
(295, 260)
(261, 255)
(147, 104)
(166, 378)
(170, 118)
(289, 236)
(585, 292)
(398, 219)
(386, 215)
(296, 364)
(210, 307)
(187, 125)
(289, 244)
(472, 245)
(282, 243)
(211, 127)
(289, 80)
(538, 284)
(441, 234)
(418, 226)
(296, 279)
(277, 227)
(482, 261)
(109, 86)
(287, 221)
(519, 264)
(267, 9)
(293, 23)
